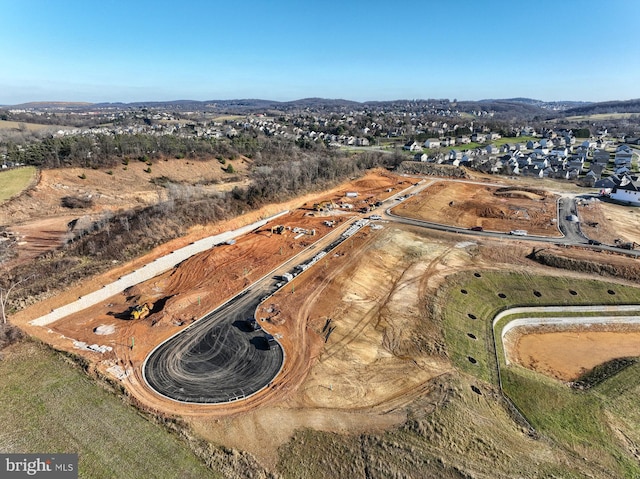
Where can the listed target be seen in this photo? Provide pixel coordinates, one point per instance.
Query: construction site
(343, 292)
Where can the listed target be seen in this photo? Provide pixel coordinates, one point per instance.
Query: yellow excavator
(141, 311)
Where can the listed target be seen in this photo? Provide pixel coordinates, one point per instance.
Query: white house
(432, 143)
(560, 152)
(492, 149)
(628, 191)
(411, 146)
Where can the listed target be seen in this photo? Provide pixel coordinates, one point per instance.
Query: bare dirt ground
(359, 341)
(198, 285)
(492, 208)
(605, 221)
(565, 355)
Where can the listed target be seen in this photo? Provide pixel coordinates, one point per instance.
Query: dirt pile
(585, 261)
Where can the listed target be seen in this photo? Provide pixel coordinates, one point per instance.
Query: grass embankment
(588, 423)
(14, 181)
(50, 405)
(451, 433)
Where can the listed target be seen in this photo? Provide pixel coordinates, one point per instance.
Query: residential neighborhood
(427, 131)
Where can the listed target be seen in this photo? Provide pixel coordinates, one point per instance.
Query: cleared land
(377, 379)
(467, 205)
(19, 126)
(606, 221)
(40, 222)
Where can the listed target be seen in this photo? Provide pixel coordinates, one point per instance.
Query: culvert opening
(477, 275)
(472, 336)
(463, 291)
(476, 390)
(611, 291)
(573, 293)
(471, 316)
(502, 295)
(472, 360)
(537, 294)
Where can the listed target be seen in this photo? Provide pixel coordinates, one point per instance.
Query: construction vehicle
(141, 311)
(324, 206)
(622, 245)
(279, 229)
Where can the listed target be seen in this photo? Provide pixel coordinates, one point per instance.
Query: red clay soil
(197, 286)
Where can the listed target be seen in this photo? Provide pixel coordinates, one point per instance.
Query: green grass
(482, 301)
(579, 421)
(574, 418)
(499, 142)
(13, 181)
(468, 146)
(50, 405)
(520, 139)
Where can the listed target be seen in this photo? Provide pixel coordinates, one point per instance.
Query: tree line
(106, 151)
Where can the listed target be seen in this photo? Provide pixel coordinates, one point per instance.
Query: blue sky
(140, 50)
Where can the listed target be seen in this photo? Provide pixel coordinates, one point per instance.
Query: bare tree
(4, 297)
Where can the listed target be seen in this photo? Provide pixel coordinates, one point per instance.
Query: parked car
(476, 228)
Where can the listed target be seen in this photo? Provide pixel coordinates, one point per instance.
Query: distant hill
(627, 106)
(509, 107)
(50, 105)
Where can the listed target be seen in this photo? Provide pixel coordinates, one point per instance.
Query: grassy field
(499, 142)
(581, 421)
(13, 181)
(15, 125)
(600, 116)
(51, 405)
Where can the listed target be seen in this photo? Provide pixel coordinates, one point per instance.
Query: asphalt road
(220, 358)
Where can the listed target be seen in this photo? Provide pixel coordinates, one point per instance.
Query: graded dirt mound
(489, 212)
(527, 193)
